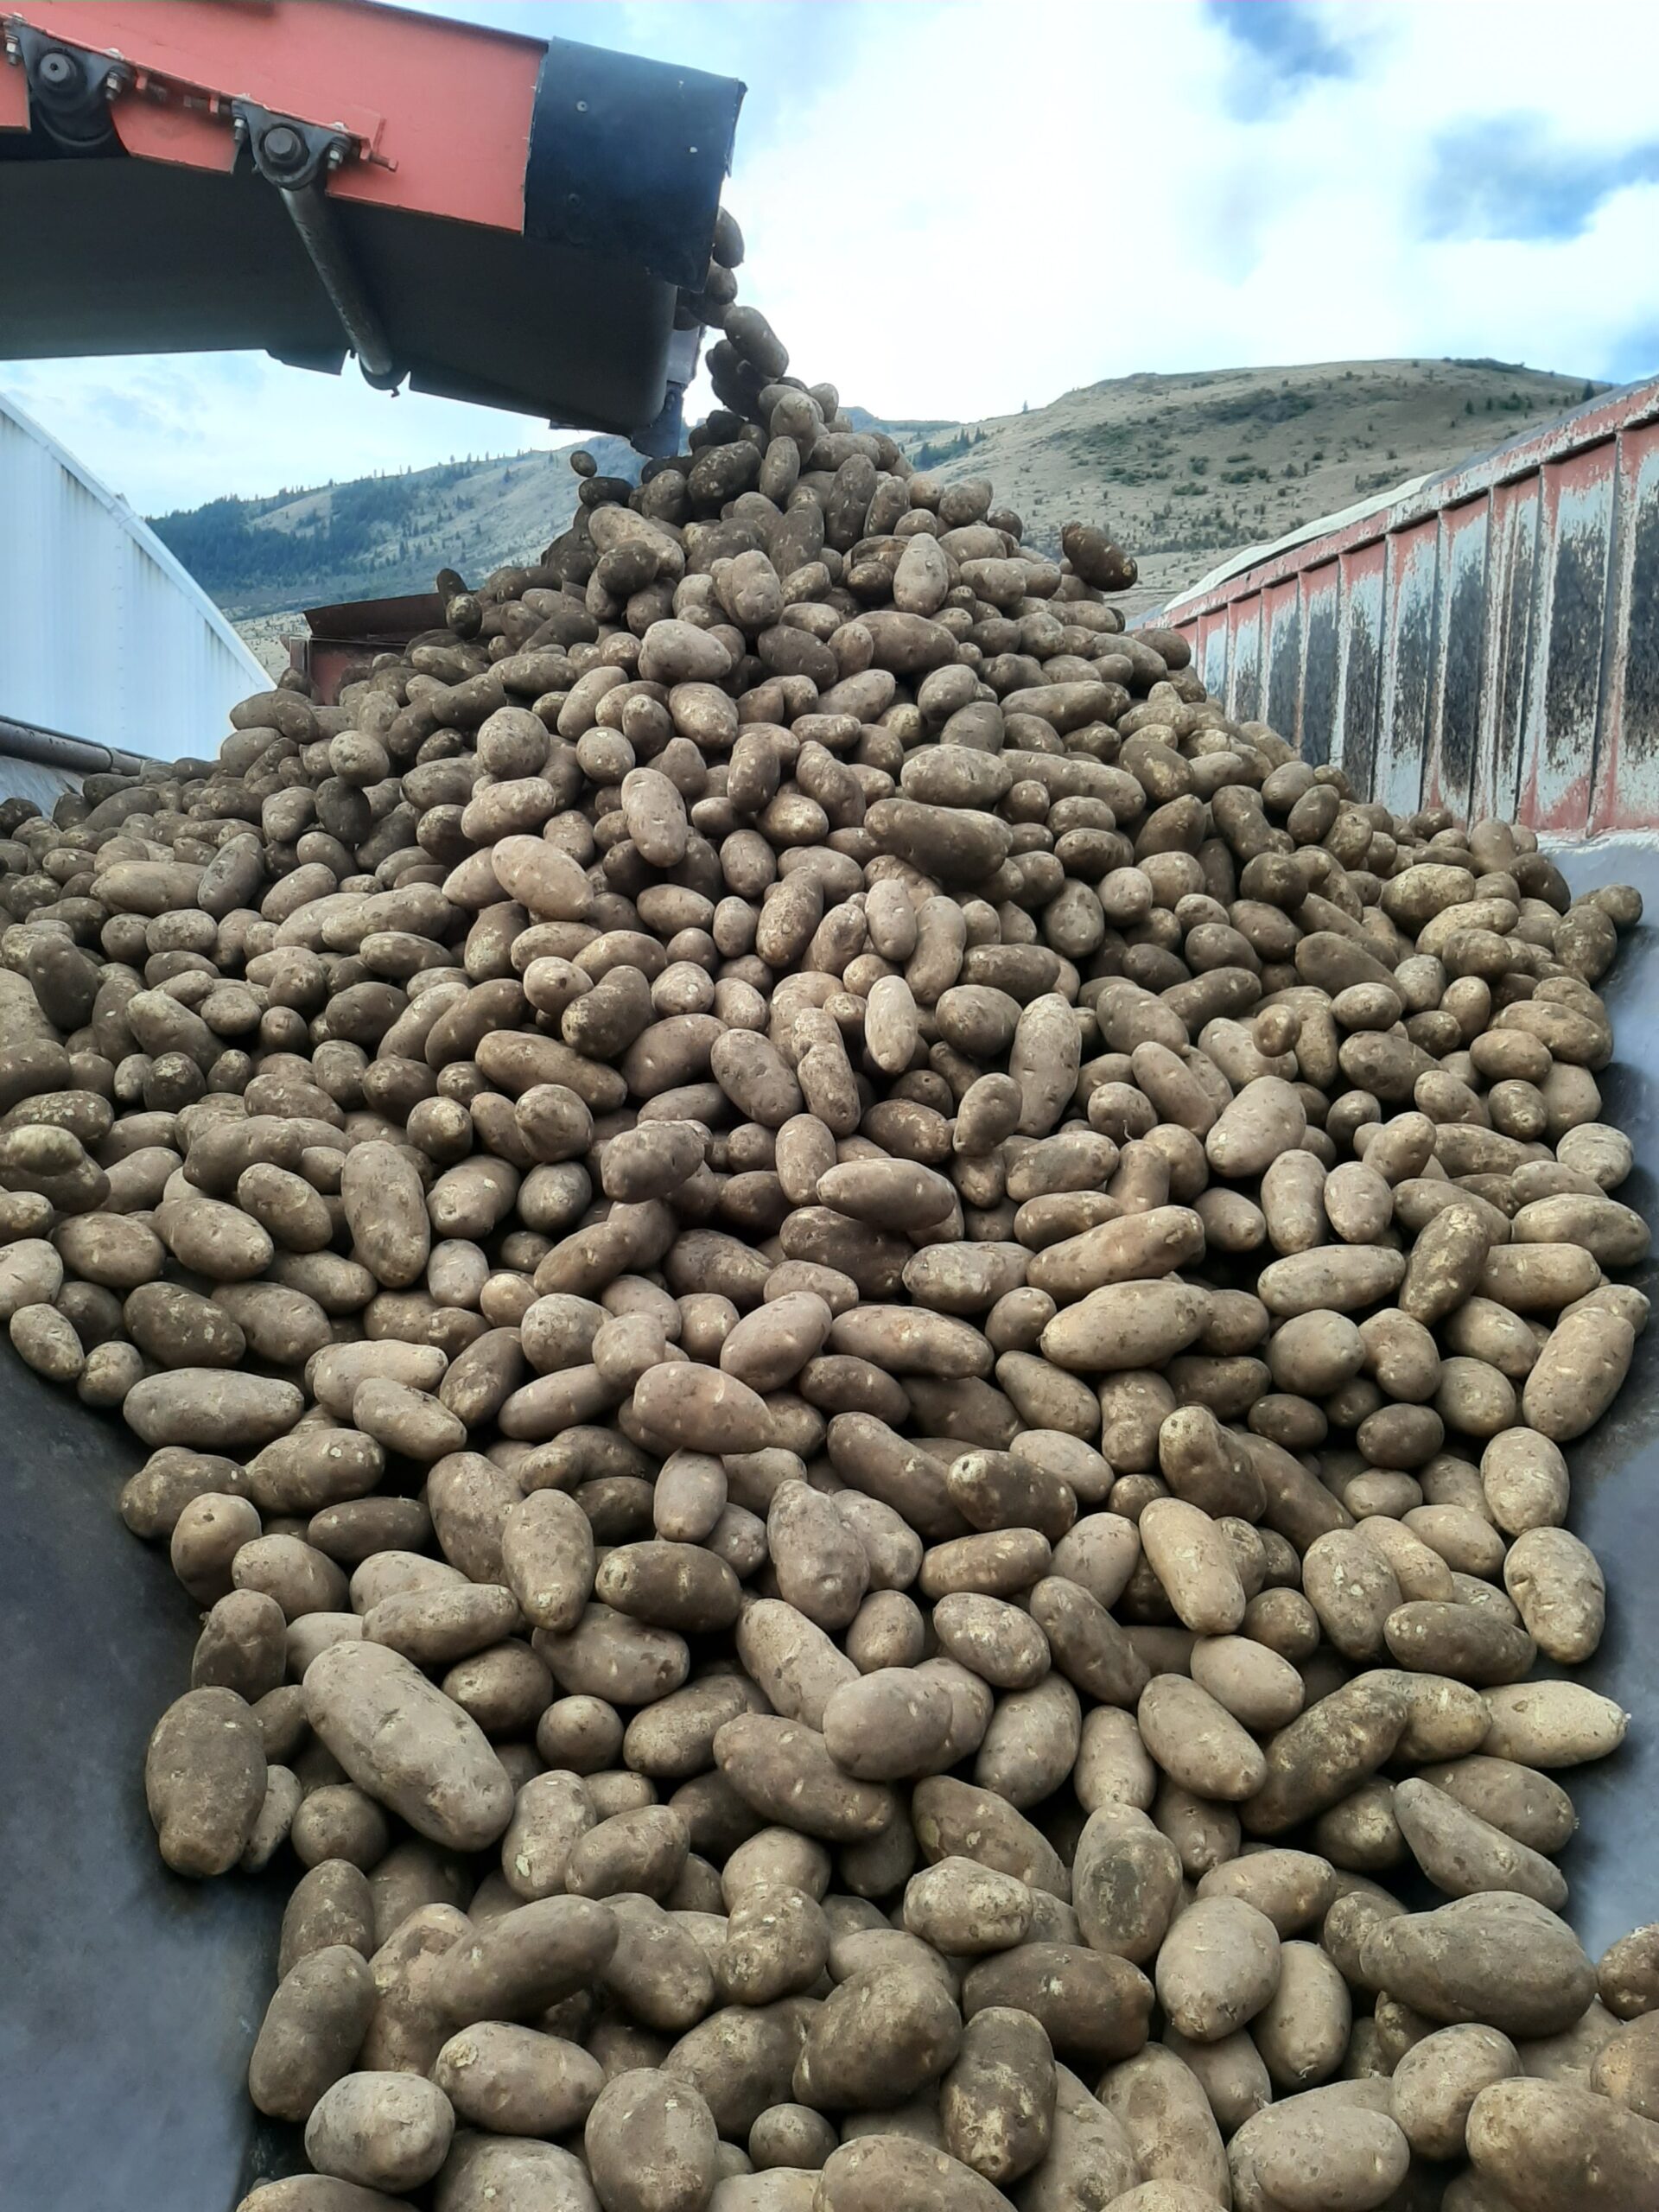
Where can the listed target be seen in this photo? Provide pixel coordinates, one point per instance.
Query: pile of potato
(856, 1329)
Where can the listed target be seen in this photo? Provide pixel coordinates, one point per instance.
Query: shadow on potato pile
(856, 1333)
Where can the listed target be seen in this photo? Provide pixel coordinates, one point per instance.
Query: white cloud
(953, 208)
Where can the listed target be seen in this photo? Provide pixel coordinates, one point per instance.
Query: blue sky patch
(1497, 177)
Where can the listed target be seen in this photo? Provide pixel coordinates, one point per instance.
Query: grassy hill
(378, 536)
(1186, 470)
(1183, 469)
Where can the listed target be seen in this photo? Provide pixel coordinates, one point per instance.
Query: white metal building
(104, 640)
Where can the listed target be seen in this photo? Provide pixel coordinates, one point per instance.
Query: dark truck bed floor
(129, 1999)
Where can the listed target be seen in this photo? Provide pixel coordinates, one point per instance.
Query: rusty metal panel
(1359, 676)
(1627, 762)
(1282, 659)
(1575, 547)
(1408, 661)
(1244, 662)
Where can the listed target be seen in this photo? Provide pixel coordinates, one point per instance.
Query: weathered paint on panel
(1210, 654)
(1627, 765)
(1490, 639)
(1244, 666)
(1359, 673)
(1282, 607)
(1320, 590)
(1407, 653)
(1577, 537)
(1454, 713)
(1515, 509)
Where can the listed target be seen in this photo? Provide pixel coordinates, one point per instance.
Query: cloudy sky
(953, 207)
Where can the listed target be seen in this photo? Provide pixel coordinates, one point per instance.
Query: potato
(331, 1904)
(311, 2031)
(1292, 1888)
(1438, 2080)
(608, 1656)
(877, 2039)
(1197, 1742)
(776, 1943)
(1626, 2069)
(1255, 1683)
(1525, 1804)
(641, 1848)
(1304, 2156)
(380, 2130)
(1320, 1757)
(1547, 2144)
(517, 2082)
(1219, 1967)
(962, 1908)
(405, 1743)
(1126, 1883)
(1031, 1742)
(1352, 1588)
(1192, 1563)
(211, 1409)
(1559, 1591)
(204, 1780)
(1089, 2002)
(314, 2193)
(1166, 2114)
(1230, 2073)
(649, 2144)
(1552, 1724)
(1503, 1960)
(783, 1769)
(878, 2169)
(1302, 2032)
(996, 1640)
(1627, 1975)
(888, 1725)
(1577, 1374)
(996, 2103)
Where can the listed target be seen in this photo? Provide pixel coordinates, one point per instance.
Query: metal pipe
(76, 756)
(318, 226)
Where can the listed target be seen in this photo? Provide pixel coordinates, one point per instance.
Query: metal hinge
(297, 158)
(69, 88)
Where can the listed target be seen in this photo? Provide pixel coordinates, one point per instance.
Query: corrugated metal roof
(103, 635)
(1251, 556)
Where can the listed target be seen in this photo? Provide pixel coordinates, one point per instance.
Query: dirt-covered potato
(877, 2170)
(1309, 2151)
(204, 1780)
(387, 2131)
(1545, 2144)
(407, 1745)
(1218, 1966)
(1495, 1957)
(1163, 2109)
(996, 2104)
(1438, 2080)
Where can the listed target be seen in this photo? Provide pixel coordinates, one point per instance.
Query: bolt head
(283, 146)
